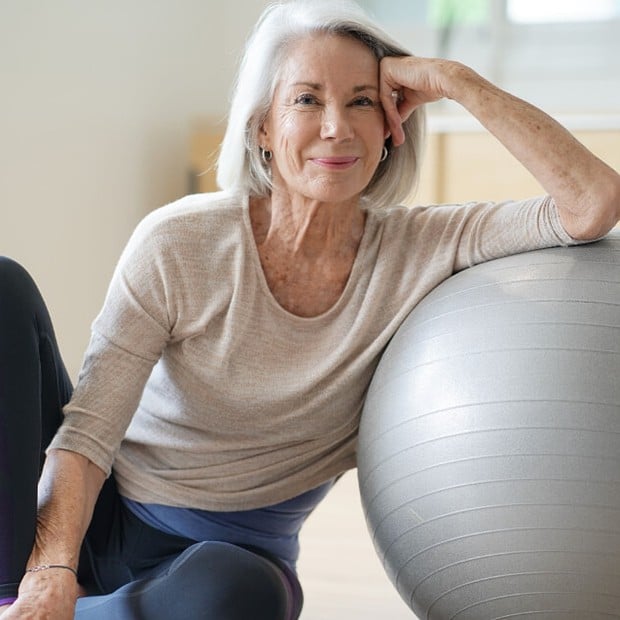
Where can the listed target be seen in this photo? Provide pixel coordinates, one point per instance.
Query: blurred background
(109, 110)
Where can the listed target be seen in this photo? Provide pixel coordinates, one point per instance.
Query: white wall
(96, 105)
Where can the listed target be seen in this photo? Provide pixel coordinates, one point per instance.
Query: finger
(390, 99)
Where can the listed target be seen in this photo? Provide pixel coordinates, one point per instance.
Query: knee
(12, 273)
(18, 290)
(231, 583)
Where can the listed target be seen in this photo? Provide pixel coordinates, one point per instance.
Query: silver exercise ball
(489, 448)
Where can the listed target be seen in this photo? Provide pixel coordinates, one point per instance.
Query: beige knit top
(203, 392)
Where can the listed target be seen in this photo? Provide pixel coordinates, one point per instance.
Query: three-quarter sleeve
(487, 231)
(128, 337)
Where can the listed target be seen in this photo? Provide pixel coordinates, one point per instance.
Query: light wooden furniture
(204, 146)
(471, 164)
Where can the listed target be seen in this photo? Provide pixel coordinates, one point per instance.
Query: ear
(263, 133)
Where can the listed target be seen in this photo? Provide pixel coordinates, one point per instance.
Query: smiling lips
(335, 163)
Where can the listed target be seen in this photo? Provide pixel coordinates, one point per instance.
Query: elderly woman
(221, 392)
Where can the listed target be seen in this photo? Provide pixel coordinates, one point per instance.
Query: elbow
(596, 213)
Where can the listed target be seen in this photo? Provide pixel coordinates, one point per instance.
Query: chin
(337, 193)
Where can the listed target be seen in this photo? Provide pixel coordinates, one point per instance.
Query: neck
(307, 228)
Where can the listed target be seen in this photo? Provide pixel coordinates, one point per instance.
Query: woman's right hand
(45, 595)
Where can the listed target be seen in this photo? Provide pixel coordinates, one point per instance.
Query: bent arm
(586, 191)
(68, 489)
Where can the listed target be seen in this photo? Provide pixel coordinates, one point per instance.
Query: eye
(306, 99)
(364, 102)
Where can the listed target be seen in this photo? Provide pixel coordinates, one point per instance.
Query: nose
(335, 124)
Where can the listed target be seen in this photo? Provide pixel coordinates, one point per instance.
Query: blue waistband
(275, 529)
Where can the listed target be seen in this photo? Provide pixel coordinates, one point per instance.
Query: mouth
(335, 163)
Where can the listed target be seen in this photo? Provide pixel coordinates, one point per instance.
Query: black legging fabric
(131, 570)
(33, 387)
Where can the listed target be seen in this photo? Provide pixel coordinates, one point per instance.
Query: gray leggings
(134, 571)
(131, 570)
(209, 580)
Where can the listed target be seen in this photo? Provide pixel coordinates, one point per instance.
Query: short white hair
(240, 166)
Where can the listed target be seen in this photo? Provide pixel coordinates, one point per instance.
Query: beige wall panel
(475, 166)
(430, 176)
(478, 167)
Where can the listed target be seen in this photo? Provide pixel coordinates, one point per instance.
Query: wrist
(462, 83)
(55, 567)
(52, 548)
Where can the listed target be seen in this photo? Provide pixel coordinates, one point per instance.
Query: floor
(339, 570)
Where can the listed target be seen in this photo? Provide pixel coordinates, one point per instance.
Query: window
(563, 55)
(535, 11)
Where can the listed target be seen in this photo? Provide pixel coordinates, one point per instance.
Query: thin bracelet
(36, 569)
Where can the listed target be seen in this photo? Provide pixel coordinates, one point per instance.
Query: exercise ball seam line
(369, 502)
(499, 455)
(489, 507)
(494, 429)
(554, 612)
(491, 556)
(490, 430)
(504, 284)
(558, 323)
(561, 258)
(507, 263)
(509, 596)
(427, 303)
(469, 354)
(507, 530)
(501, 304)
(486, 328)
(483, 404)
(520, 594)
(368, 507)
(477, 483)
(506, 349)
(412, 529)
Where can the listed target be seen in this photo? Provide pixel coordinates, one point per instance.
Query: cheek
(302, 125)
(288, 130)
(292, 137)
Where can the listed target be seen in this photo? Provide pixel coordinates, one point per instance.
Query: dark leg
(34, 386)
(143, 573)
(207, 581)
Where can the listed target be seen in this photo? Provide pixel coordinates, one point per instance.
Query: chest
(307, 287)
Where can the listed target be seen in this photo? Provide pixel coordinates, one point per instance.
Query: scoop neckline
(262, 279)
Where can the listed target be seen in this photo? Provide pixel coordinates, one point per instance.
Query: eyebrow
(356, 89)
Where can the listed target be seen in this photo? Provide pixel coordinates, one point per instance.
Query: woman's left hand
(407, 82)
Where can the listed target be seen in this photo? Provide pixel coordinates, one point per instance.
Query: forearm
(68, 489)
(585, 189)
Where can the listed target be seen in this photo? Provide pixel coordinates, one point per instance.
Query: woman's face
(326, 127)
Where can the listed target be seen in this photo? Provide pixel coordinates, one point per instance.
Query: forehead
(321, 58)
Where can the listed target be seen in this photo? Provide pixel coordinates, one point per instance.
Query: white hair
(240, 166)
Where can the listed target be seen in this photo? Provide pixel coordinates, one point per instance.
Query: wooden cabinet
(473, 165)
(203, 150)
